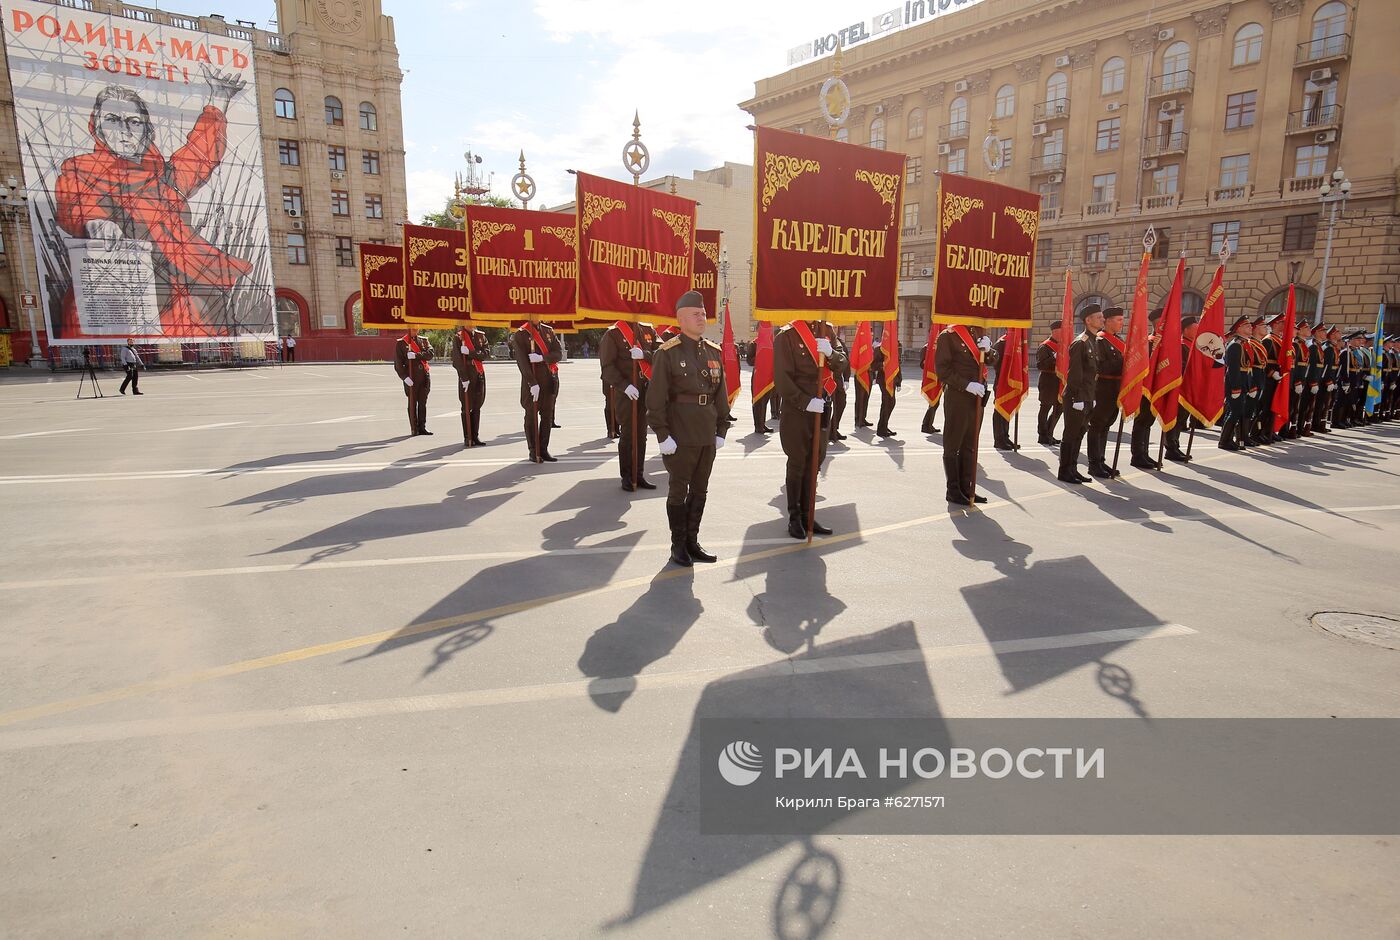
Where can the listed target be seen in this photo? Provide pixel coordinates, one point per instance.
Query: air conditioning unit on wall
(1325, 137)
(960, 86)
(1056, 178)
(945, 149)
(1321, 76)
(1062, 62)
(1166, 35)
(337, 174)
(926, 271)
(1039, 130)
(298, 225)
(1149, 164)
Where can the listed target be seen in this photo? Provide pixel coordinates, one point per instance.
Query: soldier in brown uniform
(1048, 384)
(469, 351)
(1109, 348)
(843, 375)
(536, 348)
(688, 409)
(411, 356)
(798, 378)
(962, 370)
(625, 354)
(1080, 386)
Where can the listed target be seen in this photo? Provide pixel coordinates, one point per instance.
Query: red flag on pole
(863, 355)
(1012, 375)
(1203, 380)
(1285, 363)
(1136, 361)
(1066, 337)
(889, 348)
(931, 387)
(1165, 390)
(762, 380)
(732, 381)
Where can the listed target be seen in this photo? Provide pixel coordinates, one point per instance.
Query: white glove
(1078, 406)
(1276, 376)
(535, 392)
(412, 354)
(466, 384)
(824, 346)
(1331, 386)
(816, 406)
(408, 381)
(668, 446)
(1254, 393)
(637, 353)
(1234, 394)
(631, 392)
(985, 343)
(536, 357)
(1298, 389)
(466, 350)
(719, 442)
(977, 388)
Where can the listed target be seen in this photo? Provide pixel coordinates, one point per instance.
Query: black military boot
(797, 524)
(694, 511)
(676, 516)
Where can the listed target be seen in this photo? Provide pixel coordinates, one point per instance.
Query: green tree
(445, 219)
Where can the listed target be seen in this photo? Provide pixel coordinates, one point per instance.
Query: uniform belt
(1101, 377)
(694, 399)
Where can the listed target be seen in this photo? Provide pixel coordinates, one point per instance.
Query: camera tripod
(89, 375)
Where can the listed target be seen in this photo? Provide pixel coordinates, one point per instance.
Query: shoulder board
(785, 328)
(671, 343)
(646, 326)
(711, 343)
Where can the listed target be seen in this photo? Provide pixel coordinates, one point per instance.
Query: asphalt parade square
(273, 667)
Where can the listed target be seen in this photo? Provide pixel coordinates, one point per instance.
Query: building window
(1234, 171)
(1165, 179)
(1007, 151)
(1049, 196)
(288, 317)
(1096, 248)
(957, 161)
(1111, 79)
(296, 248)
(1005, 102)
(336, 156)
(369, 162)
(914, 124)
(284, 104)
(335, 114)
(1192, 303)
(911, 216)
(374, 207)
(340, 202)
(913, 171)
(1300, 232)
(1162, 248)
(1057, 87)
(1304, 299)
(1249, 44)
(1176, 62)
(1110, 132)
(906, 264)
(877, 133)
(1099, 299)
(291, 200)
(1105, 187)
(1239, 110)
(1224, 233)
(344, 252)
(1044, 253)
(288, 153)
(1329, 30)
(843, 134)
(369, 118)
(957, 111)
(1310, 160)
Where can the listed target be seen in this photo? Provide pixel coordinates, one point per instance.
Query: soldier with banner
(1172, 438)
(1108, 353)
(962, 371)
(688, 409)
(863, 361)
(930, 386)
(469, 353)
(412, 353)
(804, 358)
(890, 378)
(536, 350)
(1047, 356)
(625, 354)
(1011, 383)
(1298, 379)
(761, 380)
(841, 369)
(1140, 439)
(1080, 387)
(1237, 385)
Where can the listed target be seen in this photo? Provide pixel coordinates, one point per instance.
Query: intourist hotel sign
(913, 11)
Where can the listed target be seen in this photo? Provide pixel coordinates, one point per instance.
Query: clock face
(343, 16)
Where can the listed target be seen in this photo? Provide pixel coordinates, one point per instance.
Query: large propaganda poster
(143, 160)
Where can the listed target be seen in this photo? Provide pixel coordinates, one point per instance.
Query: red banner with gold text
(826, 229)
(636, 250)
(985, 270)
(381, 286)
(522, 262)
(706, 279)
(435, 276)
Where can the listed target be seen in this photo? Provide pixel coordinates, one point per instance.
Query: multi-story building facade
(328, 90)
(1213, 122)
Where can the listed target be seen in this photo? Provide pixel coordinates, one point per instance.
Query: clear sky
(561, 80)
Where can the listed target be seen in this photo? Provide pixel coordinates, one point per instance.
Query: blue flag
(1373, 388)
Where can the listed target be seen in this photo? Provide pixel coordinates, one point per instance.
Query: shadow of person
(645, 633)
(1247, 484)
(455, 511)
(332, 484)
(310, 456)
(883, 673)
(795, 603)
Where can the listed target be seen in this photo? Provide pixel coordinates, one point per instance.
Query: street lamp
(14, 205)
(1334, 192)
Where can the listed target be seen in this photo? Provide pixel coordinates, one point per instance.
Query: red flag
(1012, 374)
(1136, 357)
(732, 381)
(1203, 380)
(1165, 389)
(1066, 337)
(762, 380)
(863, 354)
(931, 387)
(1285, 364)
(889, 348)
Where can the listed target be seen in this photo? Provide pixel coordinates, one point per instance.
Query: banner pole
(976, 438)
(1016, 428)
(1118, 444)
(816, 455)
(636, 438)
(1161, 447)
